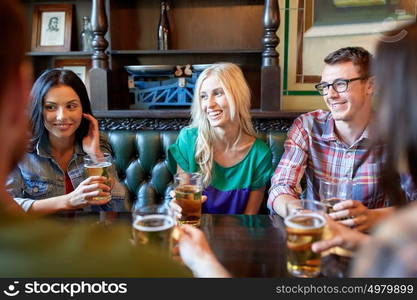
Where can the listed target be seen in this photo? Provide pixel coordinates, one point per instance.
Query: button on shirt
(313, 149)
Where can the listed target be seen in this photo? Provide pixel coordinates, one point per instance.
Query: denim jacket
(38, 176)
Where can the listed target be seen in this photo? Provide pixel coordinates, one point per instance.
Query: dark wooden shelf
(216, 51)
(185, 113)
(67, 53)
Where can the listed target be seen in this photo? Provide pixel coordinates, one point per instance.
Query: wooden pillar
(271, 72)
(99, 73)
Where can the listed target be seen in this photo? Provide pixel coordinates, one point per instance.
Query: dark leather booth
(140, 159)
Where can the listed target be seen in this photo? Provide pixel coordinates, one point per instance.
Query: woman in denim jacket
(51, 176)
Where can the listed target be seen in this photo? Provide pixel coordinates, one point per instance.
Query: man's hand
(359, 216)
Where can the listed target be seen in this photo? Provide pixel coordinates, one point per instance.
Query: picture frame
(52, 27)
(80, 66)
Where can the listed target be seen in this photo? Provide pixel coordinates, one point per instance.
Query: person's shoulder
(261, 150)
(312, 119)
(188, 133)
(317, 115)
(260, 146)
(189, 130)
(92, 240)
(31, 159)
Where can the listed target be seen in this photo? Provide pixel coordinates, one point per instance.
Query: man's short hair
(12, 30)
(357, 55)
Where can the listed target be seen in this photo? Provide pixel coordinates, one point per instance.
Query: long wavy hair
(49, 79)
(238, 96)
(396, 94)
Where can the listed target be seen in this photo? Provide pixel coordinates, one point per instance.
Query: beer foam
(168, 223)
(295, 225)
(103, 164)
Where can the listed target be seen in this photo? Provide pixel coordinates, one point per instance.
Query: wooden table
(248, 246)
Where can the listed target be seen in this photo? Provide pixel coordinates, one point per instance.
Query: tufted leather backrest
(140, 159)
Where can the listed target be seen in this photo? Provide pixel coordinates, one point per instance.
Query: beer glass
(304, 225)
(153, 225)
(188, 189)
(333, 191)
(98, 166)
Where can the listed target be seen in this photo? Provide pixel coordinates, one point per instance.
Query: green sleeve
(263, 170)
(182, 152)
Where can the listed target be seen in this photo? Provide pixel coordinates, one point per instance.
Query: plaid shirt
(313, 148)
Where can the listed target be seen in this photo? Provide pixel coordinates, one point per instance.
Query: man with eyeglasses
(334, 144)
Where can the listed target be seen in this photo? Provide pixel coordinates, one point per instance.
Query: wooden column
(271, 72)
(99, 74)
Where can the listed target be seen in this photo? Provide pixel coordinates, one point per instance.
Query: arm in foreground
(197, 255)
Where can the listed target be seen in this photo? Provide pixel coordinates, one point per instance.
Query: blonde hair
(238, 96)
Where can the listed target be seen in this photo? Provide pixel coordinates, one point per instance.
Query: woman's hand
(94, 186)
(91, 142)
(176, 208)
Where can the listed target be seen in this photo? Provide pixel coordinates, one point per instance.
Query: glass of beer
(98, 166)
(304, 224)
(153, 225)
(333, 191)
(188, 189)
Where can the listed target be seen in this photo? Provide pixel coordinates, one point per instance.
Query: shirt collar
(329, 133)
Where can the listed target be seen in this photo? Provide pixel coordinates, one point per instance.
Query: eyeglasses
(339, 85)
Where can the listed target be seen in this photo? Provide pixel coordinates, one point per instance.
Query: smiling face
(355, 102)
(214, 102)
(62, 112)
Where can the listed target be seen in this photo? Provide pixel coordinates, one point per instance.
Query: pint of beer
(188, 189)
(153, 226)
(304, 224)
(98, 166)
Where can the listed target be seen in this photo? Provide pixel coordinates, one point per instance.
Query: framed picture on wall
(81, 67)
(52, 27)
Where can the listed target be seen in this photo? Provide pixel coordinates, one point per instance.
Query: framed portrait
(52, 26)
(81, 67)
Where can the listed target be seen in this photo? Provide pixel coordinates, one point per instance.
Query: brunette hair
(49, 79)
(358, 56)
(396, 94)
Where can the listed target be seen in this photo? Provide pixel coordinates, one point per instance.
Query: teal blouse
(229, 190)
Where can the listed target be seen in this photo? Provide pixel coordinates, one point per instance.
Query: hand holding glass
(335, 191)
(188, 189)
(99, 166)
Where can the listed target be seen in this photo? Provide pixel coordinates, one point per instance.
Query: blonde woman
(221, 144)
